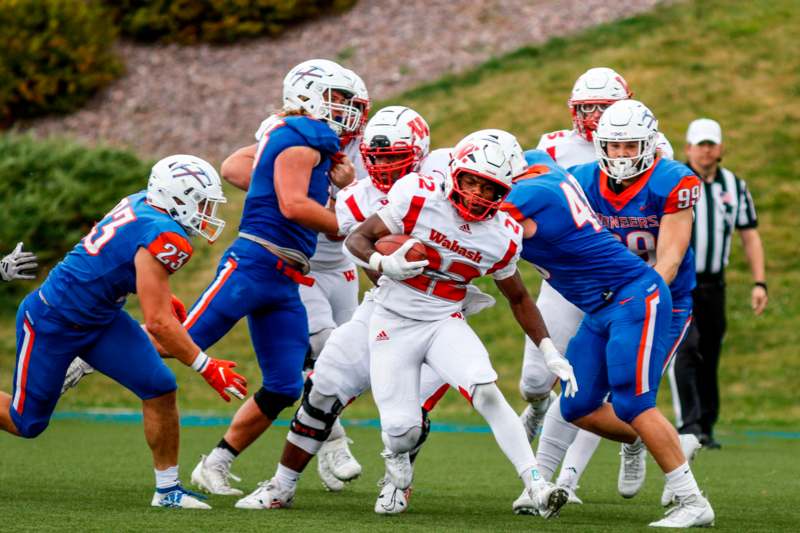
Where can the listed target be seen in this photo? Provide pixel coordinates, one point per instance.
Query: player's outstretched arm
(293, 168)
(238, 167)
(155, 298)
(530, 319)
(674, 236)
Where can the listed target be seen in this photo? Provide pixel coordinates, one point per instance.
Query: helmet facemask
(404, 160)
(585, 116)
(624, 168)
(473, 207)
(340, 109)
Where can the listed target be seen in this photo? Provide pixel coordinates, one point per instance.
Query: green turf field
(88, 476)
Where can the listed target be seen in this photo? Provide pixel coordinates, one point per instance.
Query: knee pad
(403, 443)
(629, 407)
(317, 414)
(272, 403)
(32, 429)
(487, 395)
(162, 381)
(533, 394)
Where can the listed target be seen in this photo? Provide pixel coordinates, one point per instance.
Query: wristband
(200, 362)
(548, 348)
(375, 261)
(762, 284)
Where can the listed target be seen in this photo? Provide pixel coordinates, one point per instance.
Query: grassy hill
(734, 61)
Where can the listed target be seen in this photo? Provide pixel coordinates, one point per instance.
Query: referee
(724, 205)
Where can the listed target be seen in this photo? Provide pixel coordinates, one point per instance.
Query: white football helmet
(394, 131)
(362, 101)
(593, 92)
(309, 86)
(189, 190)
(481, 154)
(511, 147)
(626, 120)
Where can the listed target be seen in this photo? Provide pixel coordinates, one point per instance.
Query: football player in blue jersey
(258, 277)
(18, 265)
(78, 310)
(624, 339)
(646, 201)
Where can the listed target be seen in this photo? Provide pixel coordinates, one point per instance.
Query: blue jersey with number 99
(90, 285)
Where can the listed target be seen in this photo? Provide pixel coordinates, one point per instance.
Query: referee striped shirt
(725, 204)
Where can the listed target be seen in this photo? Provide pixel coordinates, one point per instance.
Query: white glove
(396, 266)
(476, 301)
(559, 366)
(18, 265)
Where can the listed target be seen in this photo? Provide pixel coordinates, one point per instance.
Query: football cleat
(77, 369)
(178, 497)
(391, 500)
(268, 495)
(571, 496)
(532, 419)
(690, 445)
(398, 468)
(632, 469)
(692, 511)
(329, 481)
(544, 499)
(215, 478)
(335, 456)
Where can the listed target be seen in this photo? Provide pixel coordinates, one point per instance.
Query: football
(388, 244)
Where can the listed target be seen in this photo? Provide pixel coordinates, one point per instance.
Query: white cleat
(268, 495)
(693, 511)
(77, 369)
(525, 504)
(571, 496)
(398, 468)
(214, 478)
(632, 469)
(532, 419)
(329, 481)
(545, 500)
(178, 498)
(335, 455)
(690, 445)
(391, 500)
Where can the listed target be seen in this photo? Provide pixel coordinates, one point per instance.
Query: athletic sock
(224, 453)
(286, 477)
(557, 435)
(167, 478)
(577, 458)
(681, 481)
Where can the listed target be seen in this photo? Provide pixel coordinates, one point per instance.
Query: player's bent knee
(272, 403)
(404, 442)
(317, 341)
(161, 382)
(33, 429)
(535, 390)
(628, 409)
(314, 420)
(575, 408)
(487, 396)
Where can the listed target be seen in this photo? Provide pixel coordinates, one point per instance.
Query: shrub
(215, 21)
(52, 192)
(54, 55)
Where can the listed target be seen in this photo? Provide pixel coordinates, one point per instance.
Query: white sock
(286, 477)
(557, 435)
(337, 431)
(167, 478)
(220, 456)
(578, 455)
(681, 481)
(531, 478)
(635, 446)
(506, 427)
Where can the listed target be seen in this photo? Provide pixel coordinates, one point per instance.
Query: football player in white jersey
(593, 92)
(395, 142)
(417, 315)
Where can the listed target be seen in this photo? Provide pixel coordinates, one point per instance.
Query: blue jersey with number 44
(90, 285)
(634, 214)
(570, 248)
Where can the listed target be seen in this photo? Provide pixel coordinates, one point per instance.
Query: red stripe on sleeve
(353, 206)
(512, 210)
(411, 216)
(512, 250)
